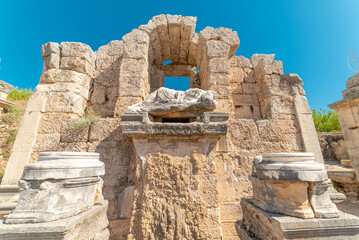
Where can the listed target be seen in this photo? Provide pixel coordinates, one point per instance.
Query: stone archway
(173, 37)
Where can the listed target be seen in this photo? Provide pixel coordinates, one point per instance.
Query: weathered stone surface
(91, 224)
(291, 167)
(78, 50)
(56, 75)
(285, 197)
(50, 48)
(319, 198)
(5, 88)
(258, 224)
(59, 185)
(170, 103)
(353, 81)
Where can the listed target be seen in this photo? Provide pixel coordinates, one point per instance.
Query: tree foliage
(326, 120)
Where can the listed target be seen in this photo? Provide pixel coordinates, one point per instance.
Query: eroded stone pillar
(174, 194)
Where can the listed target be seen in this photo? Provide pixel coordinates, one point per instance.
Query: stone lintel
(139, 124)
(90, 224)
(345, 102)
(258, 224)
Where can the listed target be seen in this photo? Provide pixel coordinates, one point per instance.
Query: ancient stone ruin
(347, 110)
(5, 89)
(178, 163)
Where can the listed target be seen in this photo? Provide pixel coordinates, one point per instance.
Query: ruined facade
(267, 112)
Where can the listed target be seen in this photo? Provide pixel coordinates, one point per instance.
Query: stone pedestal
(174, 194)
(61, 198)
(89, 225)
(292, 184)
(259, 224)
(291, 200)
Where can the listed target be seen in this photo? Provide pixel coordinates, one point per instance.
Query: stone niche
(291, 200)
(267, 112)
(348, 114)
(61, 198)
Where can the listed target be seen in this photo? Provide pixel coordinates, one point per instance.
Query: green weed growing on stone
(88, 119)
(19, 94)
(326, 121)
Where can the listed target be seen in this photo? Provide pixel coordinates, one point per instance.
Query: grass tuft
(326, 121)
(19, 94)
(88, 119)
(12, 114)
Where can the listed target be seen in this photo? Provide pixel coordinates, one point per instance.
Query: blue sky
(312, 37)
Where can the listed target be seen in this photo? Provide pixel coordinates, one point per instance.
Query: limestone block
(258, 224)
(162, 29)
(55, 122)
(249, 88)
(126, 200)
(77, 64)
(124, 102)
(66, 102)
(351, 92)
(293, 79)
(284, 197)
(47, 142)
(112, 94)
(174, 31)
(244, 111)
(244, 99)
(353, 81)
(229, 37)
(99, 94)
(52, 61)
(224, 92)
(136, 36)
(105, 129)
(108, 78)
(135, 50)
(265, 58)
(214, 223)
(113, 48)
(320, 200)
(133, 85)
(78, 50)
(209, 33)
(236, 75)
(57, 75)
(218, 65)
(240, 61)
(217, 48)
(188, 25)
(192, 54)
(221, 79)
(231, 211)
(64, 87)
(49, 48)
(105, 62)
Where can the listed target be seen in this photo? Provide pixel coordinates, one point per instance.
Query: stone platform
(258, 224)
(91, 224)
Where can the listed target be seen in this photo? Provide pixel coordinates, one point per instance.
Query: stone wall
(268, 110)
(333, 146)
